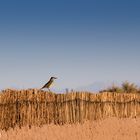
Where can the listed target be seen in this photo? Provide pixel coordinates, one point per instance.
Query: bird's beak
(55, 77)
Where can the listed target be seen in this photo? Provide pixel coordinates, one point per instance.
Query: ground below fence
(35, 107)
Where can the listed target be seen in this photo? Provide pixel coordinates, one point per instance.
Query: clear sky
(79, 41)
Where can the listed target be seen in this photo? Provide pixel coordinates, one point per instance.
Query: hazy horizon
(80, 42)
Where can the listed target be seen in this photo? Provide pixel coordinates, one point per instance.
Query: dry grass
(36, 108)
(126, 87)
(71, 116)
(108, 129)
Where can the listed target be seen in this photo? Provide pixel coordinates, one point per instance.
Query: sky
(81, 42)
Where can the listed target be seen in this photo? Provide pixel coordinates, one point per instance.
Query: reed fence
(36, 107)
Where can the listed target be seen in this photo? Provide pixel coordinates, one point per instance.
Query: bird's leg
(49, 90)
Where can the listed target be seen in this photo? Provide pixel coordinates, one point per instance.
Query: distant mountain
(95, 87)
(98, 86)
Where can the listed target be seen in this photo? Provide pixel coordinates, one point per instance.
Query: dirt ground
(108, 129)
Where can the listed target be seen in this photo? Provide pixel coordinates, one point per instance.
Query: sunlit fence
(36, 107)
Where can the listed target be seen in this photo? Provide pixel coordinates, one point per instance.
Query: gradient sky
(79, 41)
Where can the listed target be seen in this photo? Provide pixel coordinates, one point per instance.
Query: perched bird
(49, 83)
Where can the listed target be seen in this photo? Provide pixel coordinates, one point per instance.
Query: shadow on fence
(36, 107)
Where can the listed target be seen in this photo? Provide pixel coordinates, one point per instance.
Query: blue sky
(82, 42)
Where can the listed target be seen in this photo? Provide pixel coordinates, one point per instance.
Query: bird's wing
(47, 85)
(44, 86)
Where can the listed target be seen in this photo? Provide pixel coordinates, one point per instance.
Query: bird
(49, 83)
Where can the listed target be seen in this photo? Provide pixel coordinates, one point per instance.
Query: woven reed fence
(36, 107)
